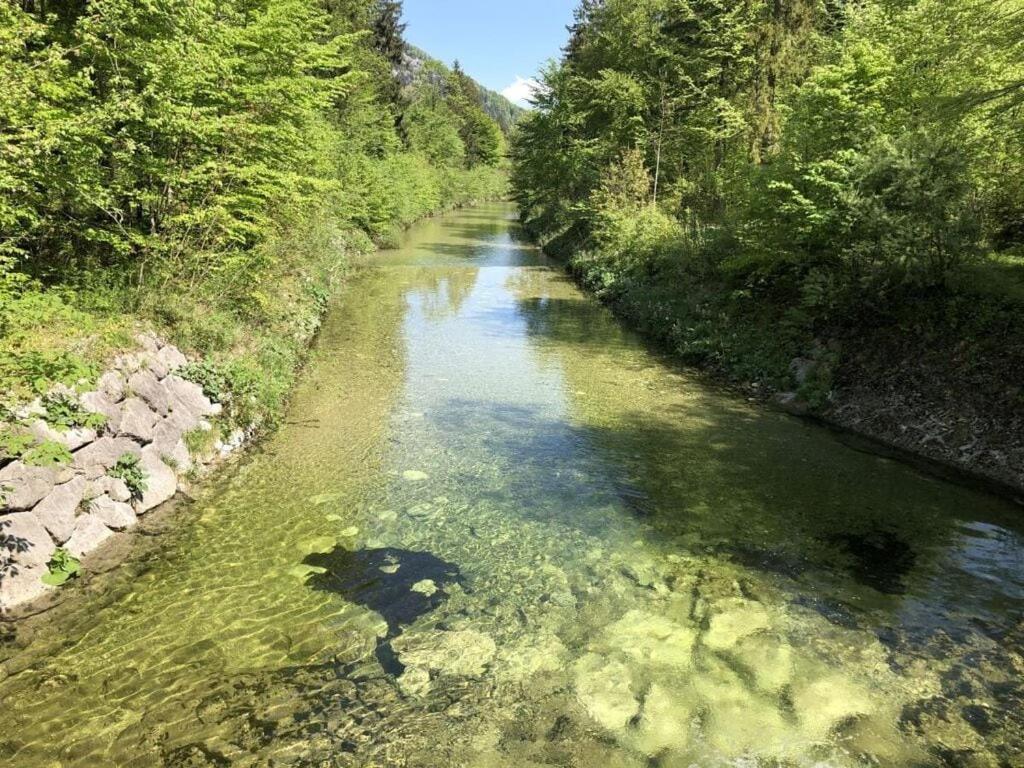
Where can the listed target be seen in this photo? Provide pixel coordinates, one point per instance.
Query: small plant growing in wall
(48, 454)
(64, 412)
(63, 567)
(129, 469)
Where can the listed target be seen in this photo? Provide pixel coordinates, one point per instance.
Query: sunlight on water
(498, 531)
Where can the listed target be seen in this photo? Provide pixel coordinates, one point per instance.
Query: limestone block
(72, 439)
(23, 486)
(58, 510)
(97, 402)
(104, 454)
(24, 541)
(89, 535)
(146, 385)
(172, 358)
(116, 515)
(137, 420)
(189, 395)
(112, 384)
(161, 481)
(21, 585)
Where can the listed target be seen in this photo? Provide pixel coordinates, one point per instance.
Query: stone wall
(79, 507)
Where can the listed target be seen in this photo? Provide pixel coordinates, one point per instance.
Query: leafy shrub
(129, 469)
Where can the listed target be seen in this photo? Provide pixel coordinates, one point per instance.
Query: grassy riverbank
(209, 172)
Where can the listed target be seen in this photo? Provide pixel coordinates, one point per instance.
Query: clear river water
(497, 530)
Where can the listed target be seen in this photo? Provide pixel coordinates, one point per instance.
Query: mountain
(420, 65)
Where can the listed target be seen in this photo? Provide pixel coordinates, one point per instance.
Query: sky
(501, 45)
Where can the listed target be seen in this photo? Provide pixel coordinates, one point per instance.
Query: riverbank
(171, 411)
(934, 378)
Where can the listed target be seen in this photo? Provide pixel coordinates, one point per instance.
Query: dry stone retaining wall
(149, 410)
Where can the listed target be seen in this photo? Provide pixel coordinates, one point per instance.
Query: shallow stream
(497, 530)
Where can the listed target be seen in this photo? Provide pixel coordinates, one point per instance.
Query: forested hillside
(206, 168)
(824, 197)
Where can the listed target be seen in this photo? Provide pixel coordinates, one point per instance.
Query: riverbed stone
(604, 688)
(767, 658)
(665, 722)
(137, 420)
(738, 721)
(89, 535)
(58, 510)
(22, 486)
(734, 620)
(828, 701)
(24, 540)
(104, 453)
(145, 385)
(98, 402)
(116, 515)
(649, 638)
(462, 653)
(161, 481)
(415, 681)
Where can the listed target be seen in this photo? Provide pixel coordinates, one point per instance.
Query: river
(499, 530)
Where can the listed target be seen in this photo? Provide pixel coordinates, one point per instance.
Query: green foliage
(741, 178)
(208, 167)
(62, 568)
(65, 412)
(47, 454)
(129, 469)
(14, 443)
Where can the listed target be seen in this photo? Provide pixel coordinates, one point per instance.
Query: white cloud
(522, 90)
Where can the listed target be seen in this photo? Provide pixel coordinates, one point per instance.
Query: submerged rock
(650, 639)
(415, 681)
(665, 721)
(604, 688)
(829, 701)
(736, 619)
(462, 653)
(768, 659)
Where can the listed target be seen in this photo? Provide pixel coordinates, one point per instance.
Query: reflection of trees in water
(444, 291)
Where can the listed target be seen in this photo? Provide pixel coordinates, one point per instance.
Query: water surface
(497, 530)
